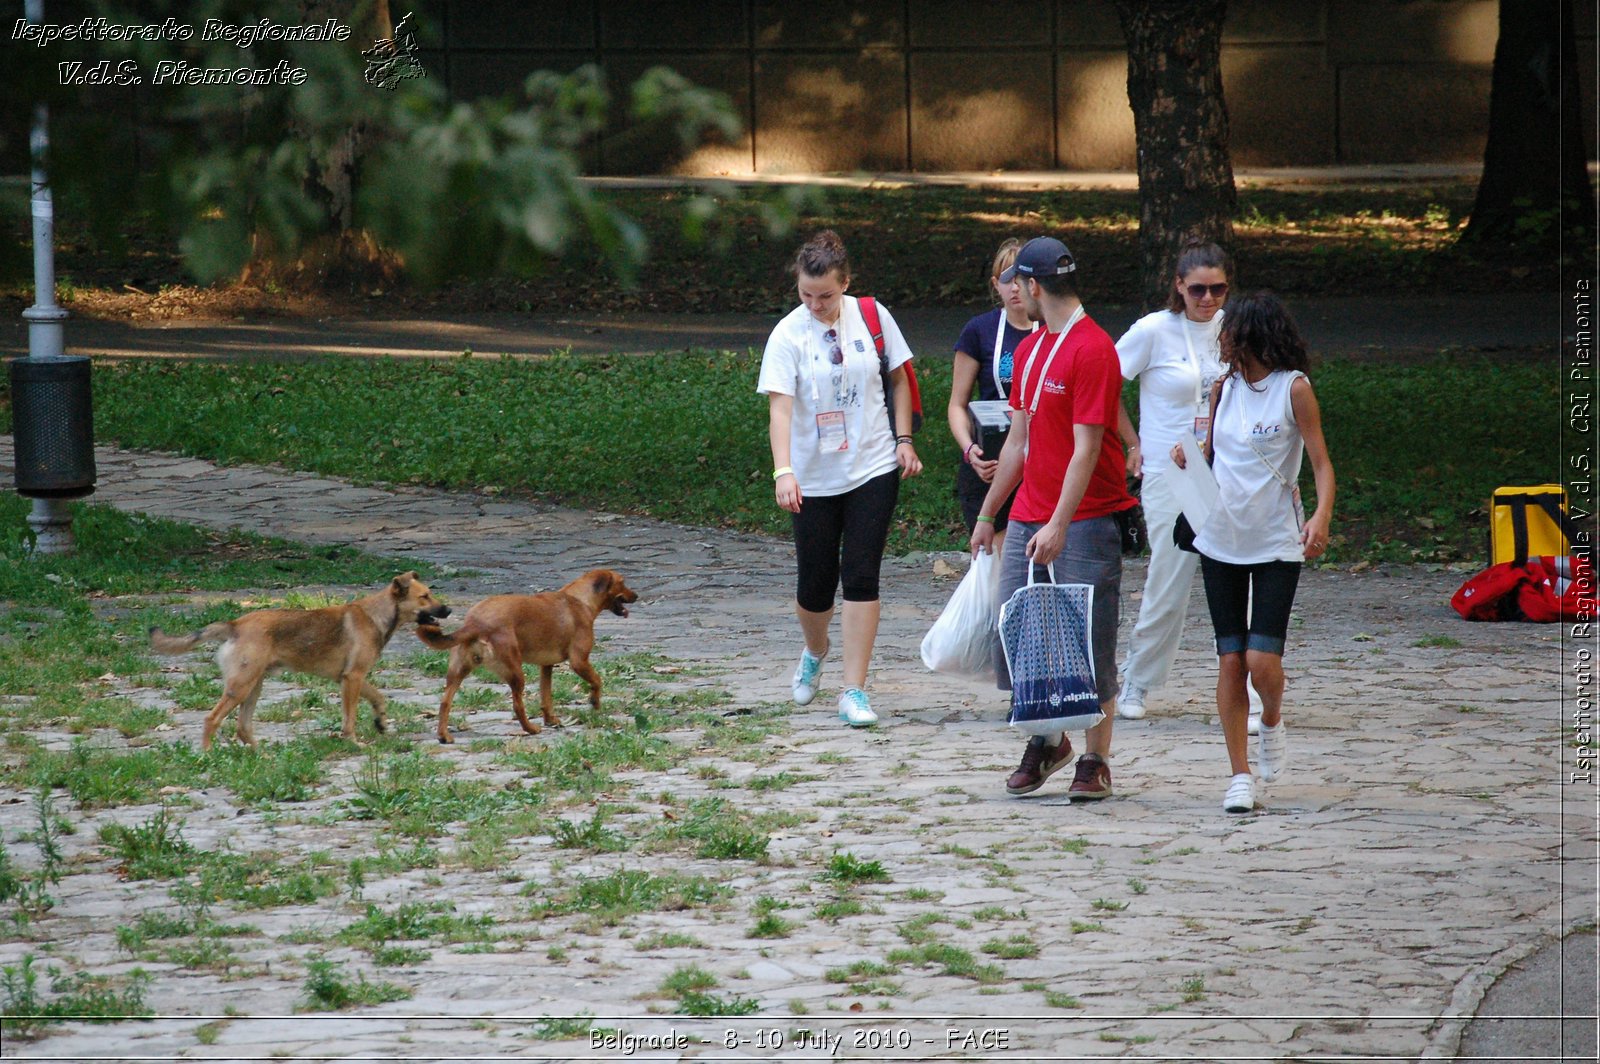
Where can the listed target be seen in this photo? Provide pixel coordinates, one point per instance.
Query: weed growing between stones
(26, 1009)
(327, 988)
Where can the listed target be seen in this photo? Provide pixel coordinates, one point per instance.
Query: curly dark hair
(1259, 327)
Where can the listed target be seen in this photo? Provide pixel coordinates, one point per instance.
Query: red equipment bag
(869, 314)
(1545, 588)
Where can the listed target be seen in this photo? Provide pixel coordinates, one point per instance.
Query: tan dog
(339, 642)
(504, 631)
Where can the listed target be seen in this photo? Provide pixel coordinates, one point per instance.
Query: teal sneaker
(806, 675)
(854, 709)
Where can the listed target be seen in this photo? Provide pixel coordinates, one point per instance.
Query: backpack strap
(869, 314)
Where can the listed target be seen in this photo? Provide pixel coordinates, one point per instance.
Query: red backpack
(869, 314)
(1544, 588)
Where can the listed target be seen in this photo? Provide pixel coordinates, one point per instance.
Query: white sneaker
(854, 709)
(806, 675)
(1130, 703)
(1241, 796)
(1272, 752)
(1254, 725)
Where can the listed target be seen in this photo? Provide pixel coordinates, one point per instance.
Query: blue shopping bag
(1047, 632)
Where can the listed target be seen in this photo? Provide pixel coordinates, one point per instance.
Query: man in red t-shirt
(1064, 448)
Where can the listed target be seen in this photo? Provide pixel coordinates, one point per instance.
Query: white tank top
(1258, 515)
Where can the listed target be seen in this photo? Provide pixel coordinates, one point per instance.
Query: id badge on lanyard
(831, 436)
(1202, 415)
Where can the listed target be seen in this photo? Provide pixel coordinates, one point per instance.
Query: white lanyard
(1194, 362)
(814, 346)
(999, 338)
(1038, 388)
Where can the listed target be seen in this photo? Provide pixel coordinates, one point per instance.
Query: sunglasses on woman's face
(1198, 291)
(835, 354)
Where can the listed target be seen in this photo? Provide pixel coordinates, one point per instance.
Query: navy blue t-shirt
(977, 341)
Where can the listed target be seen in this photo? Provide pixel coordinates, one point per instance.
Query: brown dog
(339, 642)
(504, 631)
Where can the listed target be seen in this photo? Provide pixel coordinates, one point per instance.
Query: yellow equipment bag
(1527, 522)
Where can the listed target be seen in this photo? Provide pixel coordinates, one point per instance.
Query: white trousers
(1167, 583)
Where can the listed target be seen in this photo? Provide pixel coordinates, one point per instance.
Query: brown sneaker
(1040, 761)
(1092, 781)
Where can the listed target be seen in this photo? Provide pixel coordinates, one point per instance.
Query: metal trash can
(52, 421)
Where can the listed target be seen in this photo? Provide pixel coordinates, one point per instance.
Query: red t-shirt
(1083, 387)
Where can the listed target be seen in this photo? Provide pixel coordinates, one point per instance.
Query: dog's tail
(162, 643)
(435, 637)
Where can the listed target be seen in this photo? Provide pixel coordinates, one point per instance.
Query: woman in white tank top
(1264, 418)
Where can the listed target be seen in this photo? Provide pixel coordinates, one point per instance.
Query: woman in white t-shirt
(1252, 546)
(1173, 355)
(837, 463)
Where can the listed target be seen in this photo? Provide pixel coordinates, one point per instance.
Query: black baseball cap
(1043, 256)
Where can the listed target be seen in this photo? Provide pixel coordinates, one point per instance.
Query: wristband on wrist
(782, 471)
(898, 440)
(966, 455)
(986, 519)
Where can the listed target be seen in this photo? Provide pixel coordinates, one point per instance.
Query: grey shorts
(1091, 555)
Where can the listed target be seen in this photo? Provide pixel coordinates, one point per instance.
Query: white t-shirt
(839, 434)
(1258, 516)
(1174, 389)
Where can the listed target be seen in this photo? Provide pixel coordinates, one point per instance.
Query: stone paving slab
(1413, 851)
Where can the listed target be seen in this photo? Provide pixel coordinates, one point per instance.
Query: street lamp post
(52, 416)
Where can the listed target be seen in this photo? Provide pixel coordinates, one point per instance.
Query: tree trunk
(1180, 125)
(1535, 178)
(338, 253)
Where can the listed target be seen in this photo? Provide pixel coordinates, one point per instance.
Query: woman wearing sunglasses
(1173, 355)
(837, 462)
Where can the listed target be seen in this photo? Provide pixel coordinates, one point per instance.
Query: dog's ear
(601, 581)
(402, 584)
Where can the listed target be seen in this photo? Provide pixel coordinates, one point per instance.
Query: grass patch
(837, 909)
(416, 921)
(779, 781)
(720, 831)
(591, 835)
(333, 416)
(328, 989)
(25, 1009)
(153, 849)
(419, 795)
(690, 977)
(768, 923)
(612, 899)
(667, 940)
(848, 868)
(950, 960)
(1014, 948)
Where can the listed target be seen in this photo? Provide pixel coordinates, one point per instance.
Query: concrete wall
(934, 85)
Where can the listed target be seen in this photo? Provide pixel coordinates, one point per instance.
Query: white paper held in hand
(1195, 485)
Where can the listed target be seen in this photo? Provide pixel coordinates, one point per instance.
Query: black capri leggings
(1263, 593)
(853, 526)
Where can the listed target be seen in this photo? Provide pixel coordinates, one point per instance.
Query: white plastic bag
(962, 641)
